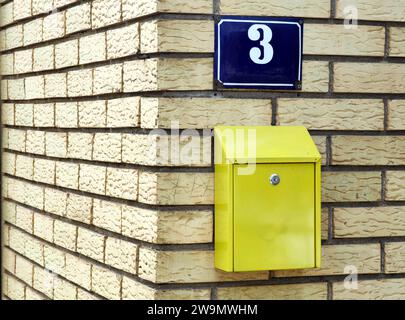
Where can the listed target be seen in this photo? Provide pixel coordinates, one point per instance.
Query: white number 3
(267, 50)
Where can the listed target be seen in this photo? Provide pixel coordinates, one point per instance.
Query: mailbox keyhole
(275, 179)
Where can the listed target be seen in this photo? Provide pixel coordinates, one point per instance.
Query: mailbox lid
(264, 144)
(275, 225)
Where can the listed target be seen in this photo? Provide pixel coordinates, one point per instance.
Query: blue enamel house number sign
(258, 53)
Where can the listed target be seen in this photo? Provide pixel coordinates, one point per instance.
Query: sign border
(251, 19)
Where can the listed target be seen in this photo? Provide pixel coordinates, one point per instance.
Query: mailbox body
(261, 224)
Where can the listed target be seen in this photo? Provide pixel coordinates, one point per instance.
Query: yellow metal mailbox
(267, 199)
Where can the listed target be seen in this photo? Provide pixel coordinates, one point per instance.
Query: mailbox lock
(275, 179)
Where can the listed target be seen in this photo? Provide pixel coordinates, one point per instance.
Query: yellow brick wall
(92, 208)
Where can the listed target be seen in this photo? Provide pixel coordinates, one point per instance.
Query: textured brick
(43, 281)
(14, 37)
(4, 138)
(335, 258)
(64, 290)
(308, 291)
(107, 147)
(67, 175)
(351, 186)
(369, 77)
(105, 12)
(78, 271)
(79, 208)
(106, 283)
(61, 3)
(24, 115)
(153, 149)
(90, 244)
(183, 226)
(2, 40)
(67, 53)
(44, 115)
(332, 114)
(6, 12)
(9, 211)
(364, 150)
(41, 6)
(396, 114)
(7, 113)
(394, 257)
(22, 9)
(134, 290)
(35, 87)
(85, 295)
(33, 31)
(315, 76)
(140, 75)
(176, 188)
(4, 87)
(107, 215)
(33, 195)
(137, 8)
(24, 167)
(80, 83)
(15, 89)
(6, 235)
(54, 26)
(92, 114)
(369, 222)
(24, 219)
(395, 186)
(66, 115)
(55, 201)
(312, 8)
(92, 48)
(43, 227)
(43, 58)
(56, 144)
(80, 145)
(56, 85)
(167, 227)
(383, 289)
(177, 36)
(203, 112)
(8, 258)
(35, 142)
(168, 74)
(392, 10)
(123, 41)
(8, 163)
(123, 112)
(78, 18)
(362, 41)
(92, 178)
(107, 79)
(23, 61)
(44, 171)
(32, 295)
(186, 267)
(54, 259)
(122, 183)
(121, 254)
(7, 63)
(397, 42)
(15, 289)
(17, 238)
